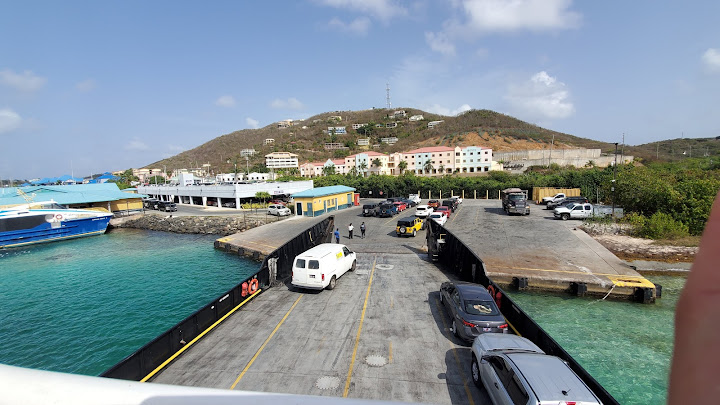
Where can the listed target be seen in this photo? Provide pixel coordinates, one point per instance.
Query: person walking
(350, 229)
(337, 235)
(362, 230)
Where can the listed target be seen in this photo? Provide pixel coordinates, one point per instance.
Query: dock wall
(150, 358)
(447, 249)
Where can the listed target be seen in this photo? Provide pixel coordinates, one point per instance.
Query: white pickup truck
(574, 211)
(557, 197)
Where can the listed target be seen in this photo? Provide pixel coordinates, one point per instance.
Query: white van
(321, 266)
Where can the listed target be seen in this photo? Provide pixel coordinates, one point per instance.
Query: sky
(88, 86)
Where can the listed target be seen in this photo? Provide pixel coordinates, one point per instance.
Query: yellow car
(408, 226)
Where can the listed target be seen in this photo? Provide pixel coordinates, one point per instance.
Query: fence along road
(381, 334)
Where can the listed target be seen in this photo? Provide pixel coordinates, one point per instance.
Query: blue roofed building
(106, 195)
(318, 201)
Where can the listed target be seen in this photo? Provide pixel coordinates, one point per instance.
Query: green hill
(475, 127)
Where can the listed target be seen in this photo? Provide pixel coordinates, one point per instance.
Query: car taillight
(292, 274)
(503, 326)
(323, 277)
(466, 323)
(569, 403)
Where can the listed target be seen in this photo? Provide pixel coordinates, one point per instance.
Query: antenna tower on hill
(387, 97)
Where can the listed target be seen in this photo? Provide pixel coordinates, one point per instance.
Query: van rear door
(306, 272)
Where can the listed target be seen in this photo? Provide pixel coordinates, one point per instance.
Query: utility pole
(552, 144)
(387, 96)
(657, 151)
(622, 151)
(612, 189)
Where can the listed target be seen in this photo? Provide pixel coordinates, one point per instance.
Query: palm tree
(328, 170)
(363, 168)
(427, 167)
(442, 168)
(353, 171)
(402, 166)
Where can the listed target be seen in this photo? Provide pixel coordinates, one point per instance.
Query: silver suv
(514, 370)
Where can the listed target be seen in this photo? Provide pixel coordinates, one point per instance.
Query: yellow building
(318, 201)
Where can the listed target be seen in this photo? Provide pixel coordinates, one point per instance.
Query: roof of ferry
(66, 194)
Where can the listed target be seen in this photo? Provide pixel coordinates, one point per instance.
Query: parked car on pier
(166, 206)
(573, 211)
(423, 211)
(415, 197)
(278, 209)
(565, 201)
(229, 204)
(320, 267)
(150, 203)
(434, 203)
(387, 210)
(444, 209)
(408, 226)
(370, 210)
(514, 370)
(438, 217)
(401, 206)
(472, 310)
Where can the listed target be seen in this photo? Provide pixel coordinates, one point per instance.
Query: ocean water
(625, 346)
(80, 306)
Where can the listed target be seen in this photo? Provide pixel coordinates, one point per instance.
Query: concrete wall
(519, 161)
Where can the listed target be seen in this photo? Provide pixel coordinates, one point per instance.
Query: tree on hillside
(367, 129)
(402, 166)
(328, 170)
(262, 196)
(363, 168)
(442, 168)
(428, 167)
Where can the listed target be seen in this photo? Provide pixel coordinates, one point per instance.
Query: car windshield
(477, 307)
(435, 215)
(516, 197)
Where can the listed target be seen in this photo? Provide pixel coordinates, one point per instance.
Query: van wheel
(475, 372)
(332, 283)
(414, 233)
(565, 216)
(354, 265)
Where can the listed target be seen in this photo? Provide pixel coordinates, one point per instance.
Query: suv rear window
(368, 206)
(314, 265)
(405, 223)
(300, 263)
(477, 307)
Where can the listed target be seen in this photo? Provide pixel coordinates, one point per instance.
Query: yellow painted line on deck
(390, 352)
(187, 346)
(388, 221)
(265, 343)
(357, 337)
(441, 310)
(619, 276)
(455, 214)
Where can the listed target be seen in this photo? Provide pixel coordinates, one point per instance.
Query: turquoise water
(626, 346)
(81, 306)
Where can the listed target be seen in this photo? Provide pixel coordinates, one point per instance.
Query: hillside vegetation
(475, 127)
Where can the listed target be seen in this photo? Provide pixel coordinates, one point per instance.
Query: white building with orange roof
(316, 169)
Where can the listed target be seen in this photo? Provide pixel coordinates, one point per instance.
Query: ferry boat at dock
(43, 222)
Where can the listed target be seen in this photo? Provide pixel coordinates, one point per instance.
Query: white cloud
(9, 120)
(439, 42)
(137, 145)
(26, 81)
(358, 26)
(254, 124)
(86, 85)
(483, 17)
(516, 15)
(711, 60)
(438, 109)
(225, 101)
(290, 104)
(382, 9)
(540, 97)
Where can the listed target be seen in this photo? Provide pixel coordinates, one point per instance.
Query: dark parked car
(410, 203)
(150, 203)
(166, 206)
(452, 204)
(371, 210)
(566, 201)
(472, 310)
(387, 210)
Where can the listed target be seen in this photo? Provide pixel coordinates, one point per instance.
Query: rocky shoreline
(616, 239)
(209, 225)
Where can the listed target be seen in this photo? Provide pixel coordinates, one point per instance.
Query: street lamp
(612, 188)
